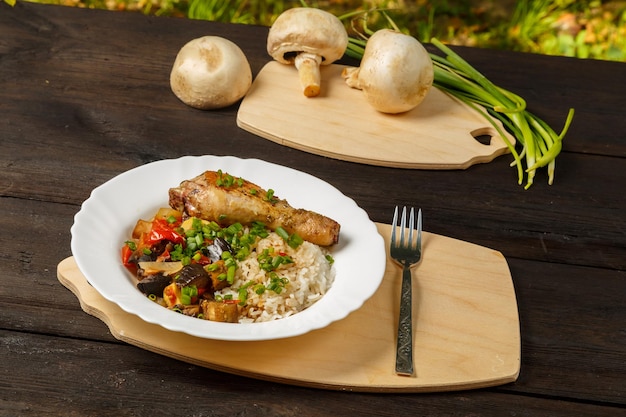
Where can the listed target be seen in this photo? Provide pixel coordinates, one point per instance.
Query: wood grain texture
(84, 97)
(61, 376)
(52, 104)
(466, 330)
(339, 123)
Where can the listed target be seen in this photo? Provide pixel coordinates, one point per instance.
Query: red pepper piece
(126, 254)
(162, 230)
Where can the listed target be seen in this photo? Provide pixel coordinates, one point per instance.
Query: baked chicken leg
(220, 197)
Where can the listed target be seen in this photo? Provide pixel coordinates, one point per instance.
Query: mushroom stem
(308, 66)
(351, 76)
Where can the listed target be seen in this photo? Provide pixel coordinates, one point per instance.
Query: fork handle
(404, 348)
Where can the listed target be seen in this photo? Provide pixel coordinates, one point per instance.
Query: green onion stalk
(540, 144)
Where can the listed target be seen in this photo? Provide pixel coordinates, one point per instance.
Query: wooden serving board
(465, 316)
(339, 123)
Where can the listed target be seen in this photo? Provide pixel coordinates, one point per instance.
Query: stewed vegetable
(180, 264)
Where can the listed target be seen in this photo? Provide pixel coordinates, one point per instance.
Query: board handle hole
(483, 136)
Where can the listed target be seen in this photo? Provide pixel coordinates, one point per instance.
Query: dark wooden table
(84, 96)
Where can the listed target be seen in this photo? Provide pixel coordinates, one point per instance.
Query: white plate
(108, 216)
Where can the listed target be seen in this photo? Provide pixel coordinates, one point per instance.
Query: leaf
(10, 2)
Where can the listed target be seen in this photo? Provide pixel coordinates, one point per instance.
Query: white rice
(310, 277)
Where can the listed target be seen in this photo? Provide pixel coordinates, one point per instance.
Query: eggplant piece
(193, 274)
(155, 251)
(215, 250)
(153, 284)
(220, 311)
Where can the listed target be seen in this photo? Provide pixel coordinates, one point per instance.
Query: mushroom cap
(396, 72)
(210, 72)
(304, 29)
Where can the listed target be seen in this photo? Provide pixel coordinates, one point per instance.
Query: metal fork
(406, 253)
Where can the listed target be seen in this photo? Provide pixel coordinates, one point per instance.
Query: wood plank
(551, 297)
(490, 210)
(140, 121)
(66, 377)
(145, 71)
(565, 313)
(567, 269)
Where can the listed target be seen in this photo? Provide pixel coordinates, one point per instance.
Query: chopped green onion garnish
(293, 240)
(282, 233)
(185, 299)
(269, 196)
(212, 267)
(230, 274)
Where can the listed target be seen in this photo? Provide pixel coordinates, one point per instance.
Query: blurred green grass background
(582, 29)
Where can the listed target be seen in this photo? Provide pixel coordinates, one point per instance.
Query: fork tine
(393, 228)
(411, 227)
(403, 226)
(419, 229)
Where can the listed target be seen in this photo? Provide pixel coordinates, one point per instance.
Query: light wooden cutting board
(466, 330)
(339, 123)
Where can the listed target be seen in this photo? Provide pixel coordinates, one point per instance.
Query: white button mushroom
(395, 74)
(307, 38)
(210, 73)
